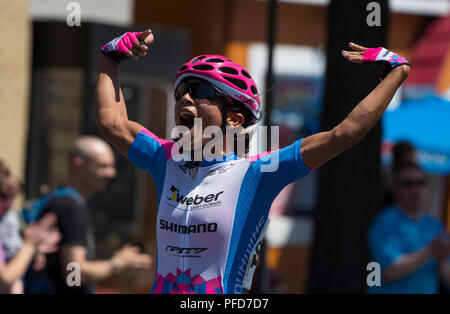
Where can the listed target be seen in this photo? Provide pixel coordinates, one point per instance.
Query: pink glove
(117, 48)
(389, 59)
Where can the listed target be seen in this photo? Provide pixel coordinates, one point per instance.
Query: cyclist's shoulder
(148, 145)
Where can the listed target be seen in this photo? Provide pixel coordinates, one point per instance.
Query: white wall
(116, 12)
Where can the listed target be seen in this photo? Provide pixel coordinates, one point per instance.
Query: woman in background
(16, 253)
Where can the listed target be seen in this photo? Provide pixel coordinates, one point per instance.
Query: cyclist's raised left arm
(111, 113)
(321, 147)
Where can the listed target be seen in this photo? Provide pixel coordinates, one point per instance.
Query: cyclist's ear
(235, 119)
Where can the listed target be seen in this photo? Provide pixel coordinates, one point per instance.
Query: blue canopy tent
(425, 123)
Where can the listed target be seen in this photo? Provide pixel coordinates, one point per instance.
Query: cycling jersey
(211, 218)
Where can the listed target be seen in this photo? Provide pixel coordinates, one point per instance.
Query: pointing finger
(146, 37)
(357, 47)
(352, 56)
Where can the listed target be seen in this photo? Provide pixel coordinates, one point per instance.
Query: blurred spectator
(403, 152)
(91, 167)
(411, 247)
(15, 253)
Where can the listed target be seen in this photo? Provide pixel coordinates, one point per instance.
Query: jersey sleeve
(280, 168)
(150, 153)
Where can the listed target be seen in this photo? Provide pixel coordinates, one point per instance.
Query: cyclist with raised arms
(213, 213)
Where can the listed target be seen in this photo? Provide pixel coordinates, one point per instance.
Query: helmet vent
(198, 59)
(245, 73)
(214, 60)
(254, 90)
(229, 70)
(239, 83)
(203, 67)
(184, 67)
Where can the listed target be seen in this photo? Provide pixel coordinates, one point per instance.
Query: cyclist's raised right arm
(111, 113)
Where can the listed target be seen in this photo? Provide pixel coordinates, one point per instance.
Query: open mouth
(187, 118)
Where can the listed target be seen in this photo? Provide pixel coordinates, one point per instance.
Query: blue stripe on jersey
(265, 186)
(241, 218)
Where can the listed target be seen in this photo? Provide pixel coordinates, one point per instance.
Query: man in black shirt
(91, 167)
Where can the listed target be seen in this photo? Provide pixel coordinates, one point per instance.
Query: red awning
(428, 55)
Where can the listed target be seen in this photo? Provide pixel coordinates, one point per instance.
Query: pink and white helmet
(231, 78)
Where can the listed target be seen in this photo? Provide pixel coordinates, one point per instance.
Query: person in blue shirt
(411, 247)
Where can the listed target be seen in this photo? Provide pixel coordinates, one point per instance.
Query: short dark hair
(401, 149)
(239, 107)
(235, 106)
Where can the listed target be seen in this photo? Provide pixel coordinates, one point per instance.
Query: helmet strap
(228, 100)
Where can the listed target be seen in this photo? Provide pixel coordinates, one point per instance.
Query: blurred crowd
(411, 247)
(48, 246)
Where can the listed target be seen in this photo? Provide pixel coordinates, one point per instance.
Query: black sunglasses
(198, 90)
(412, 183)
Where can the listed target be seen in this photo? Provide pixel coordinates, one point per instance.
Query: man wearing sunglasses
(410, 246)
(212, 215)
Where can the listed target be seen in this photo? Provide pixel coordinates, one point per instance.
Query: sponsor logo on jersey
(185, 252)
(196, 202)
(200, 228)
(189, 165)
(220, 171)
(249, 260)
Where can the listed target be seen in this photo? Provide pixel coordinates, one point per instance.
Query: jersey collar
(225, 158)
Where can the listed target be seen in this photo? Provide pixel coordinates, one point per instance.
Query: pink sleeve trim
(259, 156)
(164, 143)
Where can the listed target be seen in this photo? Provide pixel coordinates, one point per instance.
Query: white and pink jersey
(211, 218)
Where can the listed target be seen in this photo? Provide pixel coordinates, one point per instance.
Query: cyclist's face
(188, 108)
